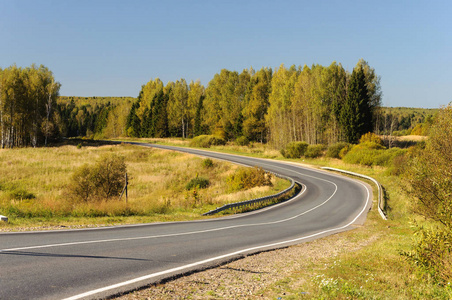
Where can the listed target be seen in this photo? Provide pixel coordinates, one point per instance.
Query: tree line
(314, 104)
(27, 106)
(317, 104)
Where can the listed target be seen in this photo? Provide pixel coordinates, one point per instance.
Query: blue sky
(111, 48)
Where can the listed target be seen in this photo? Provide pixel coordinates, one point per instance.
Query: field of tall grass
(34, 186)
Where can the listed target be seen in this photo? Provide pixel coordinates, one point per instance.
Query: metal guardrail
(254, 201)
(381, 203)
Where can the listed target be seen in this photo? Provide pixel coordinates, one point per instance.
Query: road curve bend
(96, 263)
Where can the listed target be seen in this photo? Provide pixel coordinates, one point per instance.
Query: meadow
(34, 186)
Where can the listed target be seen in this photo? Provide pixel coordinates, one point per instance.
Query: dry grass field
(33, 186)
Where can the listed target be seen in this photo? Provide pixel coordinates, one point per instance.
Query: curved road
(95, 263)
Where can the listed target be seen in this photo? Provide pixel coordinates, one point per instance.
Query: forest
(317, 104)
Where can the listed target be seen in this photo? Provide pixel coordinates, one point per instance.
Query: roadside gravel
(256, 276)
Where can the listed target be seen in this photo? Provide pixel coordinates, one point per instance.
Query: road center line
(186, 233)
(192, 265)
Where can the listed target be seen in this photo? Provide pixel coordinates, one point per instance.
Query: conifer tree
(356, 114)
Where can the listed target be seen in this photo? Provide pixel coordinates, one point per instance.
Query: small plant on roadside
(207, 163)
(314, 151)
(242, 141)
(206, 141)
(21, 194)
(294, 149)
(247, 178)
(197, 182)
(103, 180)
(335, 149)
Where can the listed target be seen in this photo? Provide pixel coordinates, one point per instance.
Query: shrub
(207, 163)
(362, 155)
(21, 194)
(246, 178)
(294, 149)
(206, 141)
(370, 137)
(345, 150)
(314, 151)
(197, 182)
(335, 149)
(105, 179)
(242, 141)
(372, 154)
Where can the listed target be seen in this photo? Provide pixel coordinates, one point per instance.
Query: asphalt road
(95, 263)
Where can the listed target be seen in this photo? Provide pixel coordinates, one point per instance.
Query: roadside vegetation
(80, 185)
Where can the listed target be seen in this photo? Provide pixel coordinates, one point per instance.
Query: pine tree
(356, 114)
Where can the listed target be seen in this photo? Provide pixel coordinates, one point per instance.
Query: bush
(206, 141)
(372, 154)
(314, 151)
(370, 137)
(21, 194)
(207, 163)
(197, 182)
(294, 149)
(335, 149)
(242, 141)
(246, 178)
(103, 180)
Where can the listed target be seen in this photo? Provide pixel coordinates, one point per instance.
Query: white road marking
(188, 266)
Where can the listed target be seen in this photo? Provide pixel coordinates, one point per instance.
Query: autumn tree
(27, 105)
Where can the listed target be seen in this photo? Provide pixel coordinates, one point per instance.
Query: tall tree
(195, 101)
(279, 116)
(356, 115)
(256, 105)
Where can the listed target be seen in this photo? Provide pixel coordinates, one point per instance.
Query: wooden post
(124, 189)
(127, 183)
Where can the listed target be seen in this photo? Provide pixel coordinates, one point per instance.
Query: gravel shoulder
(258, 276)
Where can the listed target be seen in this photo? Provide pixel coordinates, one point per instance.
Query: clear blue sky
(111, 48)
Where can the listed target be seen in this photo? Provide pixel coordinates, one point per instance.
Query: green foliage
(21, 194)
(197, 182)
(314, 151)
(242, 141)
(294, 149)
(246, 178)
(367, 154)
(356, 115)
(370, 137)
(103, 180)
(334, 151)
(432, 253)
(27, 106)
(206, 141)
(207, 163)
(430, 179)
